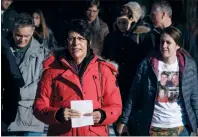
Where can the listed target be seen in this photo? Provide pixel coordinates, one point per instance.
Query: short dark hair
(23, 19)
(80, 26)
(164, 73)
(91, 3)
(175, 34)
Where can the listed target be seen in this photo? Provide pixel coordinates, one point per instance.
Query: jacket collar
(67, 61)
(154, 58)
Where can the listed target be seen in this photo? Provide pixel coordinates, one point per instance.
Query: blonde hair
(136, 10)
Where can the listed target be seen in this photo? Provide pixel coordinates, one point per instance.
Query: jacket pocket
(25, 113)
(98, 131)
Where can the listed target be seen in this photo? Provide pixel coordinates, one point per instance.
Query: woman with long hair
(42, 32)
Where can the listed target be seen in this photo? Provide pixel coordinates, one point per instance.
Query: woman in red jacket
(77, 74)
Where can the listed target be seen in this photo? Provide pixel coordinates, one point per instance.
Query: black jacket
(138, 110)
(126, 50)
(48, 42)
(7, 21)
(11, 82)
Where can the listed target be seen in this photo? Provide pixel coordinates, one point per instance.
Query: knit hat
(136, 9)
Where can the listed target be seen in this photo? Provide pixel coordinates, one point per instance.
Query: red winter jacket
(60, 85)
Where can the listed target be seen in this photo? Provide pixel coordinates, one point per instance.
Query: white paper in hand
(83, 106)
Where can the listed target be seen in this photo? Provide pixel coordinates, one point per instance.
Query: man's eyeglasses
(71, 39)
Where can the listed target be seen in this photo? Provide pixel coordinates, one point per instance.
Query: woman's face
(162, 93)
(92, 13)
(37, 19)
(168, 47)
(77, 45)
(123, 23)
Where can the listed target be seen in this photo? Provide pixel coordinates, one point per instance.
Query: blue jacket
(138, 110)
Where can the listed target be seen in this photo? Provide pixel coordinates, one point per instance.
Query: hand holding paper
(84, 107)
(96, 116)
(71, 113)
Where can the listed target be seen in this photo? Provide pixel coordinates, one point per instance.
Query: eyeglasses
(71, 39)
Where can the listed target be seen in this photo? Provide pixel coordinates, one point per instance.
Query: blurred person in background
(8, 16)
(99, 28)
(42, 32)
(123, 45)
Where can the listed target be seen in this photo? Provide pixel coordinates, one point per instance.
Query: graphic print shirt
(169, 106)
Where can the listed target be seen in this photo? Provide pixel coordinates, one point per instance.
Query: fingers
(120, 128)
(88, 114)
(96, 116)
(71, 113)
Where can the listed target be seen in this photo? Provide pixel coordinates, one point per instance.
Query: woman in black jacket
(123, 45)
(145, 112)
(43, 33)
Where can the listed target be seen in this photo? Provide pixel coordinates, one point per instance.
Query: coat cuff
(103, 115)
(60, 115)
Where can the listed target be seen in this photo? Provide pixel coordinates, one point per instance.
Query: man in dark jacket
(8, 16)
(11, 82)
(99, 27)
(161, 14)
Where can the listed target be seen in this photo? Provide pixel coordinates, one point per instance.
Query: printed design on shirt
(168, 89)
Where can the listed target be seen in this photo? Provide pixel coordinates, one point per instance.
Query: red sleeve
(41, 108)
(112, 98)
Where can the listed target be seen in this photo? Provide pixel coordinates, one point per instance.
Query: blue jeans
(185, 132)
(22, 133)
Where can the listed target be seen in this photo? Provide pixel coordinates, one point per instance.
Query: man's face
(22, 35)
(92, 13)
(156, 17)
(5, 4)
(163, 80)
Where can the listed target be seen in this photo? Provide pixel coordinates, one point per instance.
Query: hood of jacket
(58, 59)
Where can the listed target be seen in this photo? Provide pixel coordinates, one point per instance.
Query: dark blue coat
(138, 110)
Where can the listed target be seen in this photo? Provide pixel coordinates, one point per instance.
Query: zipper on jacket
(94, 78)
(155, 93)
(80, 81)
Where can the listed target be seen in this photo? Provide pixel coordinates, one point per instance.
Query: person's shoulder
(191, 61)
(103, 24)
(108, 65)
(11, 12)
(37, 46)
(142, 29)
